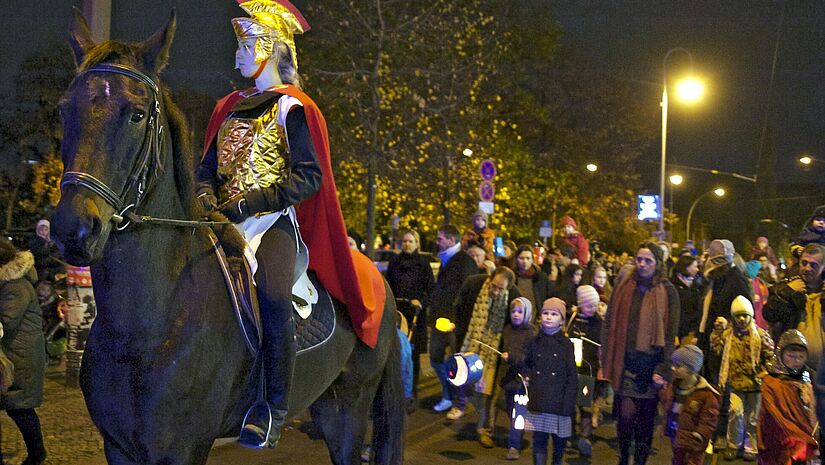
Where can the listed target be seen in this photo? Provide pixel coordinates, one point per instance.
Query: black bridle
(138, 183)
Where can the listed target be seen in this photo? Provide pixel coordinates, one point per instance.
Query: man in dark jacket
(796, 303)
(23, 343)
(531, 281)
(456, 266)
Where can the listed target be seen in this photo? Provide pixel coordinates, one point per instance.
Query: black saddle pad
(320, 324)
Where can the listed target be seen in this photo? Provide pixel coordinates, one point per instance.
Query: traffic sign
(486, 191)
(649, 207)
(487, 169)
(545, 230)
(487, 207)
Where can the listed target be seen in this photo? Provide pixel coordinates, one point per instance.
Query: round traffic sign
(487, 168)
(486, 191)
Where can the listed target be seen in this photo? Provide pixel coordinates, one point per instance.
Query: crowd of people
(722, 348)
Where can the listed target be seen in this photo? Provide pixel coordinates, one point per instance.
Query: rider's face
(245, 57)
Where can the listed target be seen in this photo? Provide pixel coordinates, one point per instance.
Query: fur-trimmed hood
(19, 267)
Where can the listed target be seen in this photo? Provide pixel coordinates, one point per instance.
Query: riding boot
(279, 362)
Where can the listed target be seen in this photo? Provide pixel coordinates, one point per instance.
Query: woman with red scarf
(638, 335)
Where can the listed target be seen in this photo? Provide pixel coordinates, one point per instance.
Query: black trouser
(635, 420)
(28, 423)
(276, 262)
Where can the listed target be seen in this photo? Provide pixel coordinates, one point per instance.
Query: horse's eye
(137, 117)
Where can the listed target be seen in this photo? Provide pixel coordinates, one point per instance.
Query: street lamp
(690, 91)
(676, 179)
(467, 152)
(719, 192)
(806, 160)
(591, 167)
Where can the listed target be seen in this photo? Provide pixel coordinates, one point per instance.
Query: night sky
(732, 45)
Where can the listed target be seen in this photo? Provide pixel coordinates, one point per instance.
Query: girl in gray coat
(23, 343)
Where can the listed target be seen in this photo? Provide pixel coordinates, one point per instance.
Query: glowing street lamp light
(676, 179)
(806, 160)
(467, 153)
(690, 90)
(591, 167)
(719, 192)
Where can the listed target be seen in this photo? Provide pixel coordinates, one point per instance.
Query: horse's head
(112, 133)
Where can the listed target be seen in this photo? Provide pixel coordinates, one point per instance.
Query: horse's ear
(155, 49)
(80, 39)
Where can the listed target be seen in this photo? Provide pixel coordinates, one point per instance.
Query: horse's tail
(388, 410)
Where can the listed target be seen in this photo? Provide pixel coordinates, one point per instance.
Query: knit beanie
(586, 295)
(741, 304)
(482, 214)
(688, 356)
(568, 220)
(752, 268)
(554, 303)
(762, 239)
(7, 251)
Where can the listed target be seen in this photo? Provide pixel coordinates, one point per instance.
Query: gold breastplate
(252, 153)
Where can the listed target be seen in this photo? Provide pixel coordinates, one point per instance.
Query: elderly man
(481, 309)
(796, 303)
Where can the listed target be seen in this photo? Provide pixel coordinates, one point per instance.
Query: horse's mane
(182, 155)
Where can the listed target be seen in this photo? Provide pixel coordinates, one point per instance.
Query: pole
(661, 231)
(690, 213)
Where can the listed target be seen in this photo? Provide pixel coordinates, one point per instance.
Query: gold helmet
(270, 21)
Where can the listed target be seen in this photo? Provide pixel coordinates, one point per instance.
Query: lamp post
(690, 90)
(719, 192)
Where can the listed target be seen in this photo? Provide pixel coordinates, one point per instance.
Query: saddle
(314, 317)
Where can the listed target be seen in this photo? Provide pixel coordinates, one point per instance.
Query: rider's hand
(207, 202)
(505, 356)
(658, 380)
(236, 210)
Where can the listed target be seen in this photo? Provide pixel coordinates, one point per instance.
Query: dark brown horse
(166, 369)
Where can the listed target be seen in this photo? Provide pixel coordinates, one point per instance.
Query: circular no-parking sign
(486, 191)
(487, 169)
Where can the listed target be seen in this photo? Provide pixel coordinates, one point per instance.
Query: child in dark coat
(551, 368)
(692, 406)
(587, 326)
(514, 337)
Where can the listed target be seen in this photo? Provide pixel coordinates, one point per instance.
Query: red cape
(347, 274)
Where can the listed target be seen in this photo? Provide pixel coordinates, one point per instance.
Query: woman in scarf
(637, 341)
(411, 279)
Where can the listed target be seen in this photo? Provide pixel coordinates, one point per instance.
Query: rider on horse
(266, 151)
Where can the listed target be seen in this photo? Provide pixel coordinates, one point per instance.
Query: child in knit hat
(587, 325)
(550, 366)
(746, 351)
(513, 339)
(692, 406)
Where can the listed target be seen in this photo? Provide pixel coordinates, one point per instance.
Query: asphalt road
(71, 438)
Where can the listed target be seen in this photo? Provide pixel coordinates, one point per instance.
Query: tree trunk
(10, 207)
(371, 188)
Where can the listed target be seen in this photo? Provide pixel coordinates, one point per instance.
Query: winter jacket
(48, 261)
(581, 246)
(725, 290)
(451, 277)
(513, 341)
(699, 414)
(590, 328)
(410, 277)
(550, 364)
(690, 303)
(22, 341)
(466, 299)
(786, 308)
(486, 238)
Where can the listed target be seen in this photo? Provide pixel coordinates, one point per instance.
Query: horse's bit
(150, 149)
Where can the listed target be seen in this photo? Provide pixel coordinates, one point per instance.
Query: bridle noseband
(138, 180)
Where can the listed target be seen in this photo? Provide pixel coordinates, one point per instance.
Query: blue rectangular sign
(649, 207)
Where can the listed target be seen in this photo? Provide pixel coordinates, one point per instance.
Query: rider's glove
(236, 210)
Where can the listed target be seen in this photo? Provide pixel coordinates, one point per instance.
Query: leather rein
(139, 182)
